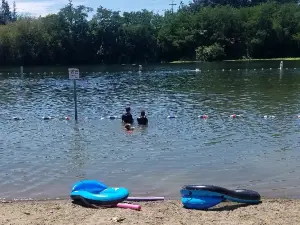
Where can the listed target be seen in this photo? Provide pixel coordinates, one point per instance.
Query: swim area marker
(74, 75)
(198, 70)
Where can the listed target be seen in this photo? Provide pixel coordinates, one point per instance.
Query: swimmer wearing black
(127, 117)
(142, 120)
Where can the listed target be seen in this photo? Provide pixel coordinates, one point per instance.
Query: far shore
(169, 212)
(272, 59)
(240, 60)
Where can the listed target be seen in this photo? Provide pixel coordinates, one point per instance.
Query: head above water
(143, 113)
(128, 109)
(127, 126)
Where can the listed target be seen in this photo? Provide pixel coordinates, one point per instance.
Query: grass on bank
(181, 62)
(241, 60)
(273, 59)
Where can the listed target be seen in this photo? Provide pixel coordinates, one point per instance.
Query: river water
(43, 159)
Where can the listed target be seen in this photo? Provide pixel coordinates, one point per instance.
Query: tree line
(204, 30)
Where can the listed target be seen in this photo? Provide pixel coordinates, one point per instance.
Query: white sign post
(21, 68)
(74, 75)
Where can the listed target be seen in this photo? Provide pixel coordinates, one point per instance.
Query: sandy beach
(270, 211)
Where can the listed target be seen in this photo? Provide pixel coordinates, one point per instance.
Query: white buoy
(197, 70)
(270, 117)
(281, 65)
(140, 68)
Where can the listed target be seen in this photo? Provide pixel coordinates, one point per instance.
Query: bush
(210, 53)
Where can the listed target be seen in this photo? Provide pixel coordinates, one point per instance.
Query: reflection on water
(77, 152)
(44, 158)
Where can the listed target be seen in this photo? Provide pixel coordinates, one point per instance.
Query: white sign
(73, 73)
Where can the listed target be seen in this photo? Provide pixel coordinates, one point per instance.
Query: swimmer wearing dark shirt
(127, 117)
(142, 120)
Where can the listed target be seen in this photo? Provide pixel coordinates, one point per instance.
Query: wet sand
(270, 211)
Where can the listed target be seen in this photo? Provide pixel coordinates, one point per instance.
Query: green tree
(14, 12)
(210, 53)
(74, 32)
(105, 27)
(5, 15)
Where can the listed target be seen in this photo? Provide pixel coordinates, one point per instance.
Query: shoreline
(169, 212)
(16, 67)
(166, 198)
(238, 60)
(270, 59)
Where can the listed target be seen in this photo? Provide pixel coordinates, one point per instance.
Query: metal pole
(172, 4)
(75, 99)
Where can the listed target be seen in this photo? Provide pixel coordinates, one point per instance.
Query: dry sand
(277, 211)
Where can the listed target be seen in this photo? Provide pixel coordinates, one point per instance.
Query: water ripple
(44, 158)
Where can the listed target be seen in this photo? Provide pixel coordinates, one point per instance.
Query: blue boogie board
(206, 196)
(97, 193)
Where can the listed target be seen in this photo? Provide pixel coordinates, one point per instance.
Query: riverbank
(270, 211)
(182, 62)
(273, 59)
(240, 60)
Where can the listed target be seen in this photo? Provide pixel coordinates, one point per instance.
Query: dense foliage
(203, 30)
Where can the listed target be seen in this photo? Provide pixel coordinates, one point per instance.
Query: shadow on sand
(231, 207)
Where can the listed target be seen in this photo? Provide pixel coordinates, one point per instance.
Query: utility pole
(172, 5)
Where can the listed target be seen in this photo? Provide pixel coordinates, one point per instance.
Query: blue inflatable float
(206, 196)
(93, 192)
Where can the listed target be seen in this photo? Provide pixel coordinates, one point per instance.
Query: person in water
(142, 120)
(128, 127)
(127, 117)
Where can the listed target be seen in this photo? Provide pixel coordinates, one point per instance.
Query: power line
(172, 5)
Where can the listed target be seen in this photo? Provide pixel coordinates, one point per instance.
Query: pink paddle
(129, 206)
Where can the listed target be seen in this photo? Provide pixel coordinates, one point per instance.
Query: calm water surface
(43, 159)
